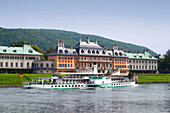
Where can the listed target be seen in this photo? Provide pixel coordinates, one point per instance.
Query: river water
(153, 98)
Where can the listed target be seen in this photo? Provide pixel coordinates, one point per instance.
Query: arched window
(28, 65)
(82, 51)
(89, 51)
(104, 52)
(93, 52)
(60, 51)
(120, 54)
(66, 51)
(116, 53)
(97, 51)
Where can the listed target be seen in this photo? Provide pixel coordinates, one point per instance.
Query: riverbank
(12, 80)
(153, 78)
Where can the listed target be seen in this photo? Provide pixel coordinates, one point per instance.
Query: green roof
(144, 55)
(26, 49)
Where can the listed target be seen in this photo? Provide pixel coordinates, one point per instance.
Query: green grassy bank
(13, 79)
(153, 78)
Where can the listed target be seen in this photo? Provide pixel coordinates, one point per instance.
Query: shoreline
(9, 86)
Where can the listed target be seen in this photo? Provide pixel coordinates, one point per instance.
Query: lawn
(13, 79)
(154, 79)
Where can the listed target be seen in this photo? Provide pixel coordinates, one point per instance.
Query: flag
(21, 75)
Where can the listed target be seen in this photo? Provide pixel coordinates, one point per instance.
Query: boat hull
(56, 86)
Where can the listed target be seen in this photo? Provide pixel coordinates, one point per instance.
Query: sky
(141, 22)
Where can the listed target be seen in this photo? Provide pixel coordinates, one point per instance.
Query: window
(104, 52)
(6, 64)
(120, 54)
(76, 65)
(82, 51)
(116, 53)
(89, 51)
(1, 64)
(30, 51)
(71, 65)
(41, 64)
(60, 51)
(68, 65)
(75, 58)
(21, 64)
(66, 51)
(11, 64)
(47, 65)
(93, 52)
(52, 65)
(16, 64)
(65, 65)
(28, 65)
(97, 51)
(4, 50)
(15, 51)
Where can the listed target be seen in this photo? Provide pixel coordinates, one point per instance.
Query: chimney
(96, 41)
(79, 39)
(88, 39)
(115, 47)
(13, 45)
(63, 44)
(28, 43)
(58, 44)
(147, 50)
(71, 47)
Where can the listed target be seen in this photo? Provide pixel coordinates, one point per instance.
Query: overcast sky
(142, 22)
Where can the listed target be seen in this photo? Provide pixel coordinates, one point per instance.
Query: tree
(36, 48)
(48, 51)
(164, 64)
(18, 44)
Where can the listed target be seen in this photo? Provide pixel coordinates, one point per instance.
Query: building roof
(144, 55)
(88, 45)
(26, 49)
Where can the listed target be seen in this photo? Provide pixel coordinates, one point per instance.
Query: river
(151, 98)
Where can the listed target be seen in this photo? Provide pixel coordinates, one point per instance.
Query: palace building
(86, 54)
(81, 58)
(17, 59)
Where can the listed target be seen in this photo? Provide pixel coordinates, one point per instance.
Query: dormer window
(66, 51)
(82, 51)
(89, 51)
(103, 52)
(60, 51)
(93, 52)
(15, 51)
(30, 51)
(4, 50)
(140, 56)
(116, 53)
(150, 56)
(97, 51)
(134, 56)
(74, 52)
(120, 54)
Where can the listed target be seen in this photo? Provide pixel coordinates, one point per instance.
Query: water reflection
(144, 98)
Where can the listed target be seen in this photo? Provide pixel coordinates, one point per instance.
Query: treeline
(164, 64)
(46, 38)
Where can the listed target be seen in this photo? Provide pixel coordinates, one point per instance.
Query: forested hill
(46, 38)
